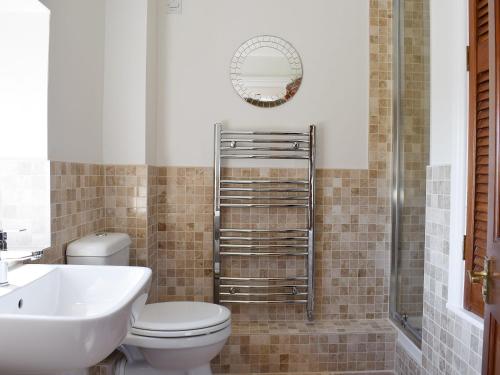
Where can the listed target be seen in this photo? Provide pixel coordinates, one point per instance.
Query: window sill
(469, 317)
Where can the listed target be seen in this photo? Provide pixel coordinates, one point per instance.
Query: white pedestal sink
(55, 318)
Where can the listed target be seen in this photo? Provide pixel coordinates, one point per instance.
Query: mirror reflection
(266, 71)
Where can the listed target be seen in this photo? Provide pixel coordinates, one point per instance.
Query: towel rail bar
(263, 156)
(249, 132)
(230, 253)
(244, 193)
(247, 182)
(263, 140)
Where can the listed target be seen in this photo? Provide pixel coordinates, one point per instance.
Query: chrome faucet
(4, 268)
(3, 240)
(4, 260)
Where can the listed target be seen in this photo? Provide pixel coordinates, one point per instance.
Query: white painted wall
(76, 73)
(24, 41)
(124, 111)
(448, 76)
(151, 83)
(195, 50)
(449, 120)
(102, 82)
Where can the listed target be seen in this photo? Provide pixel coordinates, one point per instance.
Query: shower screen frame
(398, 171)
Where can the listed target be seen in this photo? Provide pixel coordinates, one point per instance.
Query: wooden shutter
(491, 347)
(478, 161)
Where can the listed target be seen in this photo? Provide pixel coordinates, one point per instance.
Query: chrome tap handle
(3, 237)
(3, 240)
(4, 268)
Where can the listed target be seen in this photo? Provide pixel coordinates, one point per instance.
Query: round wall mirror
(266, 71)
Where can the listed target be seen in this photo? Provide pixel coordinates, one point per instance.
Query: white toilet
(169, 338)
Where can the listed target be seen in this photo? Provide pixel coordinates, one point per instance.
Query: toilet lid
(181, 316)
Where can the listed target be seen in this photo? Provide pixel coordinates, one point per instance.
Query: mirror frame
(246, 49)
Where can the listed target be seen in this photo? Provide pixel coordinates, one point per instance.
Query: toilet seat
(181, 319)
(180, 334)
(177, 343)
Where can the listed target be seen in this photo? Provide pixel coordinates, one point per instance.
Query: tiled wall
(152, 228)
(24, 202)
(126, 195)
(405, 364)
(77, 205)
(349, 284)
(450, 344)
(378, 229)
(295, 347)
(88, 198)
(185, 222)
(415, 131)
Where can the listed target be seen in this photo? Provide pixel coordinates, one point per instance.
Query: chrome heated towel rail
(283, 241)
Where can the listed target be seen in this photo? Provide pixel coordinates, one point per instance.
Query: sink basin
(55, 318)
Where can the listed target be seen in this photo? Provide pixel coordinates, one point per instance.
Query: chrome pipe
(217, 218)
(312, 186)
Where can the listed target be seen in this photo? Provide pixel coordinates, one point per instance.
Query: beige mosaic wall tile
(404, 364)
(87, 198)
(77, 205)
(152, 228)
(348, 284)
(450, 344)
(380, 146)
(298, 347)
(126, 207)
(415, 135)
(185, 234)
